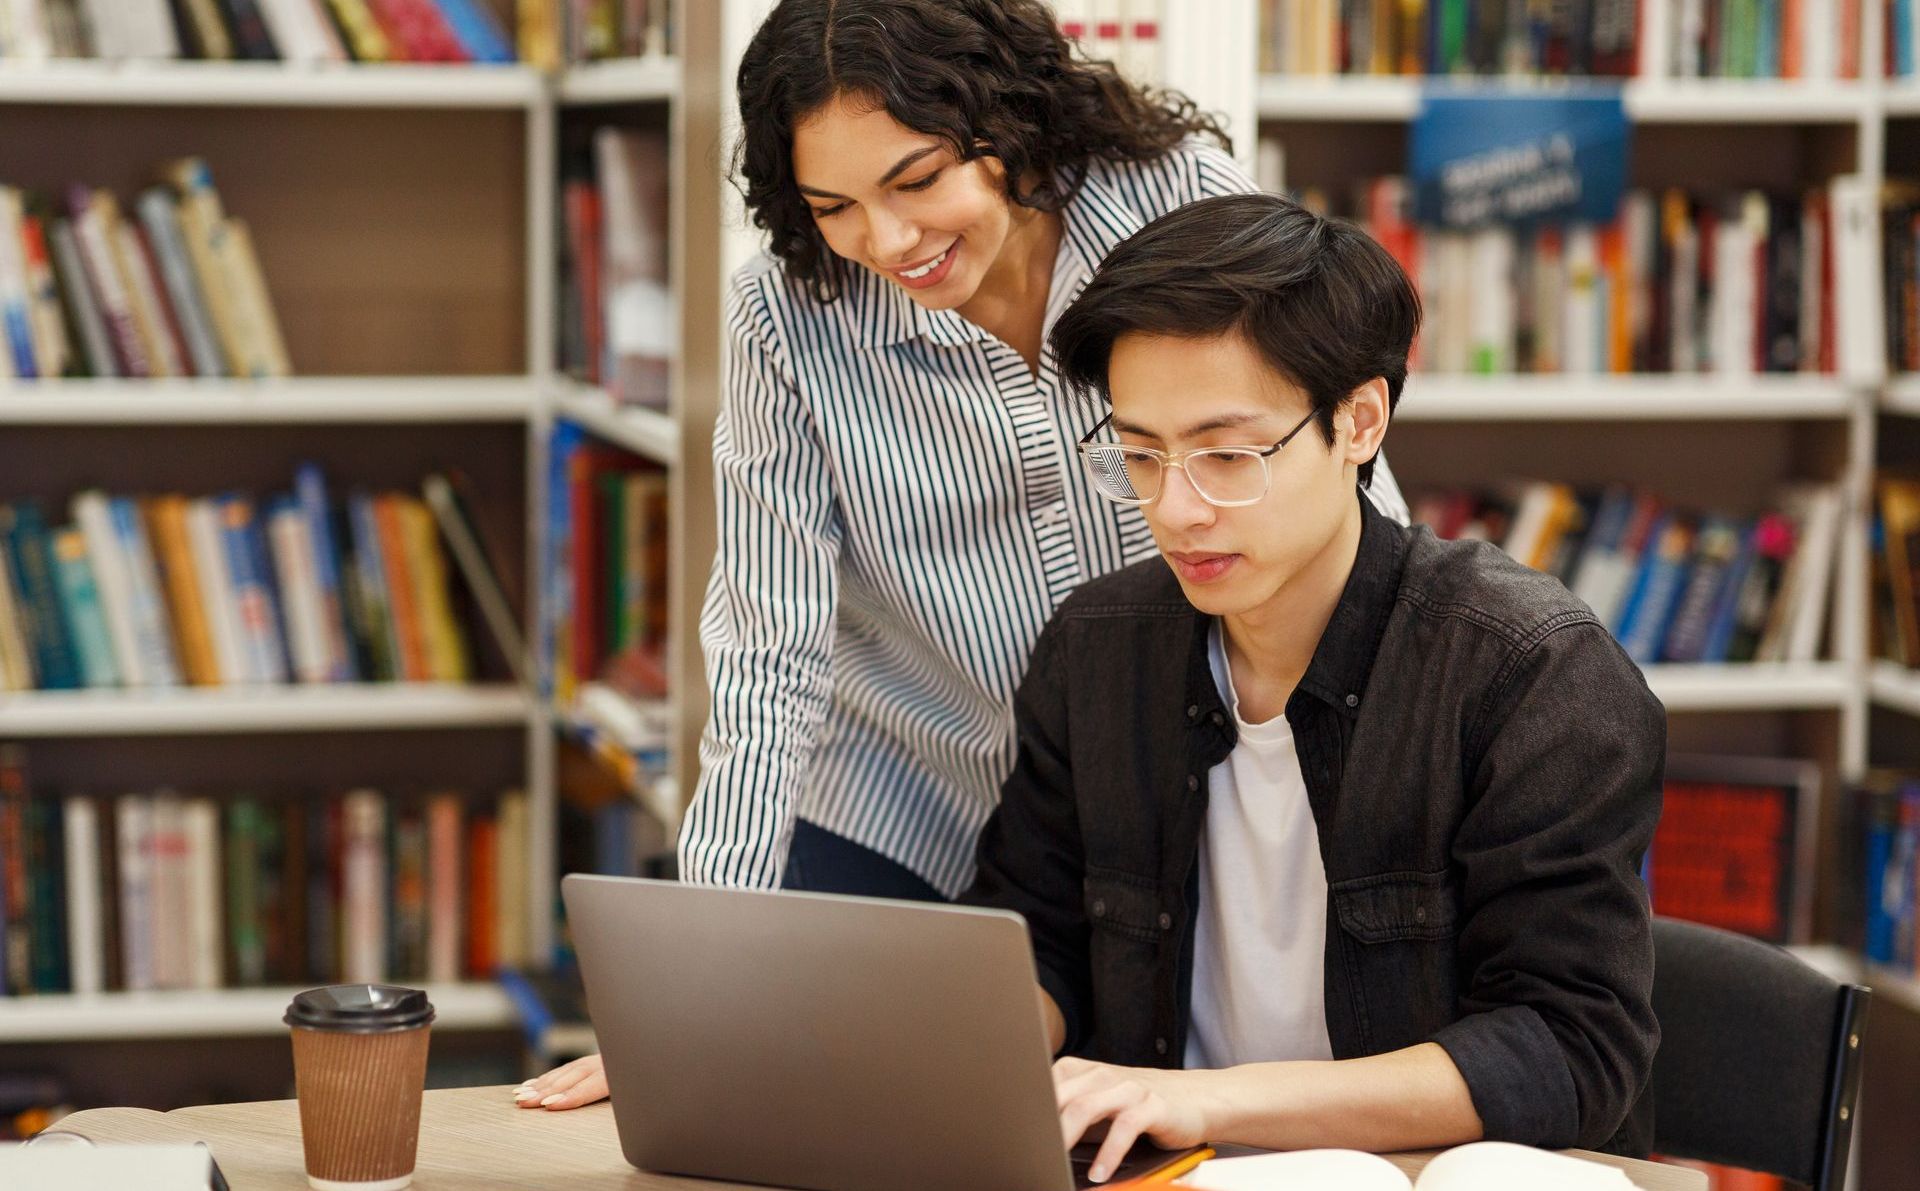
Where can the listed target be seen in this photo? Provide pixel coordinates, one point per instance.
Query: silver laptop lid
(814, 1041)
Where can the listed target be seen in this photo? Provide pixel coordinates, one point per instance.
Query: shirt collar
(1344, 658)
(1098, 218)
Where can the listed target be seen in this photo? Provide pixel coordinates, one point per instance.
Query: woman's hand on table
(580, 1082)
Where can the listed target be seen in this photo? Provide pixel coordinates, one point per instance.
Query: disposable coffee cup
(359, 1068)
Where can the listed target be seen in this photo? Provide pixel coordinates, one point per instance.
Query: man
(1341, 818)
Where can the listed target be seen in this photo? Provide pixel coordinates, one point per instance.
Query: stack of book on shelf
(1123, 32)
(171, 288)
(1447, 37)
(1900, 237)
(606, 619)
(594, 30)
(257, 30)
(1670, 584)
(162, 591)
(134, 892)
(1881, 866)
(1894, 577)
(616, 312)
(1735, 39)
(1733, 285)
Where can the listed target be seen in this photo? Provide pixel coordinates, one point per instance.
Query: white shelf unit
(1363, 98)
(511, 105)
(214, 1013)
(298, 400)
(347, 707)
(1902, 395)
(1755, 686)
(650, 434)
(269, 84)
(1433, 397)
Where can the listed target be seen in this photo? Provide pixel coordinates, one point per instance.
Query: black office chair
(1759, 1063)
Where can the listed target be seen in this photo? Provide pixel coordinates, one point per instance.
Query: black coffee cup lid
(359, 1009)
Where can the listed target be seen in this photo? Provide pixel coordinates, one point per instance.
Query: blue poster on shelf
(1478, 157)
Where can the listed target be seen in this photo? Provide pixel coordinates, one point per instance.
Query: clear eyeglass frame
(1104, 460)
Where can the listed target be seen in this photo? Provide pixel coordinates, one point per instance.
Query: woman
(899, 507)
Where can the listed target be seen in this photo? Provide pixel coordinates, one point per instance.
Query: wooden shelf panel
(231, 710)
(1435, 397)
(299, 400)
(205, 1013)
(269, 84)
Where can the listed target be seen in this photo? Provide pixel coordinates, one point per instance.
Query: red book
(583, 245)
(483, 908)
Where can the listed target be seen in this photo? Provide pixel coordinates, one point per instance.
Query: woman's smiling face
(899, 202)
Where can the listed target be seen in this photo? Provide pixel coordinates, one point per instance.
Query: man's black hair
(1323, 303)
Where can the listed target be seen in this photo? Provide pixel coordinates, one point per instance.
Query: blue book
(370, 576)
(259, 622)
(1715, 548)
(478, 32)
(1726, 605)
(1663, 572)
(280, 638)
(310, 490)
(152, 624)
(566, 440)
(30, 551)
(1903, 38)
(19, 335)
(80, 603)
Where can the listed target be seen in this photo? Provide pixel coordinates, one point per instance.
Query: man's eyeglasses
(1225, 477)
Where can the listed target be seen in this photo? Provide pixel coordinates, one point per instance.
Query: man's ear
(1368, 411)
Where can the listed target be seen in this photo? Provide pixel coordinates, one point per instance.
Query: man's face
(1178, 394)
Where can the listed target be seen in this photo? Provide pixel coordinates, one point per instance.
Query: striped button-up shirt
(899, 513)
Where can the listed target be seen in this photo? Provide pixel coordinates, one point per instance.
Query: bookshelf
(405, 219)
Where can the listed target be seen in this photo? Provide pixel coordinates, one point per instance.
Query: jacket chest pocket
(1399, 934)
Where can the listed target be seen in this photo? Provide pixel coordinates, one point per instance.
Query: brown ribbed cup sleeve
(360, 1101)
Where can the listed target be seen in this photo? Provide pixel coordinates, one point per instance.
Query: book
(80, 605)
(1477, 1166)
(451, 511)
(1735, 845)
(160, 215)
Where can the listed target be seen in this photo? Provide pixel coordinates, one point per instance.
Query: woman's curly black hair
(992, 78)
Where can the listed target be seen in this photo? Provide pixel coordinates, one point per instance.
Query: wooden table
(476, 1139)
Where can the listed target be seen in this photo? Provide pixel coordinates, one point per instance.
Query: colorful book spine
(80, 603)
(152, 630)
(310, 489)
(30, 552)
(260, 635)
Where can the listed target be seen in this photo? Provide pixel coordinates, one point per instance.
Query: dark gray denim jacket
(1484, 767)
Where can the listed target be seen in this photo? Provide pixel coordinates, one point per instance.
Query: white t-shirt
(1260, 945)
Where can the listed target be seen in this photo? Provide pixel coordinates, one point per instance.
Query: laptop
(823, 1042)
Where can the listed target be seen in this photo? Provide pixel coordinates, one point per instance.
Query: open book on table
(1480, 1166)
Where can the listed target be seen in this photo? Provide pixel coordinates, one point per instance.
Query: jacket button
(1353, 700)
(1159, 1046)
(1419, 913)
(1193, 711)
(1166, 922)
(1193, 783)
(1099, 909)
(1217, 719)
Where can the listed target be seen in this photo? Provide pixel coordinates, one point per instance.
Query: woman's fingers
(1125, 1129)
(580, 1082)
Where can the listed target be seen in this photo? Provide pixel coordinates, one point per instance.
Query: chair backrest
(1759, 1061)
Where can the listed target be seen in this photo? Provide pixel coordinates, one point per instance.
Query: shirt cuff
(1517, 1075)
